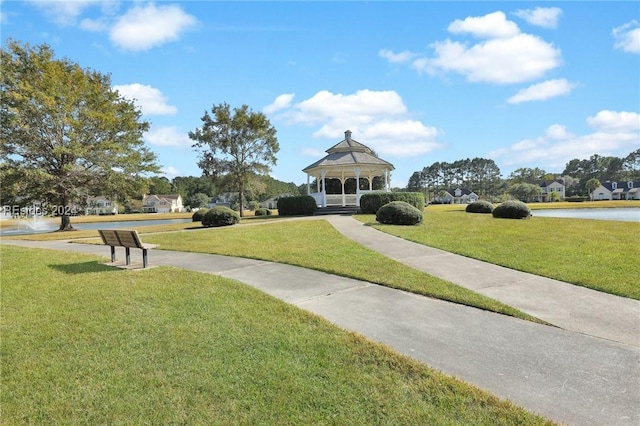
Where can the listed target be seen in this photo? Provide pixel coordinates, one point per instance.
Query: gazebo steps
(342, 210)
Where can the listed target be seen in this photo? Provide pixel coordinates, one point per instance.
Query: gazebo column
(308, 186)
(324, 188)
(357, 173)
(386, 180)
(342, 180)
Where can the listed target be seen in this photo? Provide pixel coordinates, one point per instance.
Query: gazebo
(348, 159)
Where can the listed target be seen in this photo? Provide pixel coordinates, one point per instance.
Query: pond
(625, 214)
(30, 226)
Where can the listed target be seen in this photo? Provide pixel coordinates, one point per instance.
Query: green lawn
(83, 343)
(317, 245)
(598, 254)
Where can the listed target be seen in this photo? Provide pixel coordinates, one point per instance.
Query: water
(40, 225)
(624, 214)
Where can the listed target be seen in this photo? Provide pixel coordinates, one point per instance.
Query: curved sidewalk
(566, 376)
(565, 305)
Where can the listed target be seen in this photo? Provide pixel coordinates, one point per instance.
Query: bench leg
(128, 255)
(113, 254)
(144, 258)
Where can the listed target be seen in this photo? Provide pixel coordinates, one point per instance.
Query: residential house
(272, 203)
(548, 187)
(617, 191)
(101, 205)
(457, 196)
(157, 203)
(224, 199)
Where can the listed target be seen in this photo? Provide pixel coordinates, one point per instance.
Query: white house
(629, 190)
(458, 196)
(100, 205)
(272, 203)
(549, 187)
(157, 203)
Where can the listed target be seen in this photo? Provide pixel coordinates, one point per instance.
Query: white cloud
(516, 59)
(150, 100)
(613, 121)
(504, 55)
(378, 119)
(493, 25)
(542, 91)
(281, 102)
(170, 172)
(168, 136)
(546, 17)
(397, 58)
(615, 133)
(63, 12)
(627, 37)
(148, 26)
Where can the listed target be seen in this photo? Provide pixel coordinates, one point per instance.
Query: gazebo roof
(349, 153)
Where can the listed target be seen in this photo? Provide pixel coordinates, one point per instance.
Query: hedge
(220, 216)
(371, 202)
(302, 205)
(512, 210)
(399, 213)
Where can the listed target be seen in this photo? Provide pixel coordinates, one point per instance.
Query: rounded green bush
(262, 212)
(512, 210)
(297, 206)
(479, 206)
(399, 213)
(371, 202)
(199, 215)
(220, 216)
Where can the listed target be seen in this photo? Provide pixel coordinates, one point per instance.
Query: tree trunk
(65, 219)
(240, 196)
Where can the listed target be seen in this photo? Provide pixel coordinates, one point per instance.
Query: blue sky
(527, 84)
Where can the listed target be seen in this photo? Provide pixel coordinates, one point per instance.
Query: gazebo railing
(338, 199)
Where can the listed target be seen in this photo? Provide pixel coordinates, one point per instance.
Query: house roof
(623, 186)
(463, 191)
(349, 153)
(545, 183)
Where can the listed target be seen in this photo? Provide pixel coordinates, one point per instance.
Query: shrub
(262, 212)
(512, 210)
(199, 215)
(399, 213)
(479, 206)
(220, 216)
(370, 203)
(297, 206)
(576, 199)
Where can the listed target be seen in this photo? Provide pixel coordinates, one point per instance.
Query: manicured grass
(91, 233)
(598, 254)
(317, 245)
(83, 343)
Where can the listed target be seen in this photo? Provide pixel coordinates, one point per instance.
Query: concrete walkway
(568, 376)
(565, 305)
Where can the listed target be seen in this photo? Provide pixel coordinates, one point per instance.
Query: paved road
(568, 376)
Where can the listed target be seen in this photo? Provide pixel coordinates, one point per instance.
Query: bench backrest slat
(109, 237)
(129, 239)
(121, 237)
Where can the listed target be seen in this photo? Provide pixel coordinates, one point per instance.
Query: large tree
(66, 133)
(235, 146)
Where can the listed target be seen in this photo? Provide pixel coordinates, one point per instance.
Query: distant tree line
(198, 191)
(483, 177)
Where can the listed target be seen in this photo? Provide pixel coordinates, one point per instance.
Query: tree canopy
(66, 134)
(235, 146)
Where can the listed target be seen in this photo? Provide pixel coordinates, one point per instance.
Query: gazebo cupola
(345, 161)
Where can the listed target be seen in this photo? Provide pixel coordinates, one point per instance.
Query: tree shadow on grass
(82, 267)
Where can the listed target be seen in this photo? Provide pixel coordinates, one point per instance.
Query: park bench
(127, 239)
